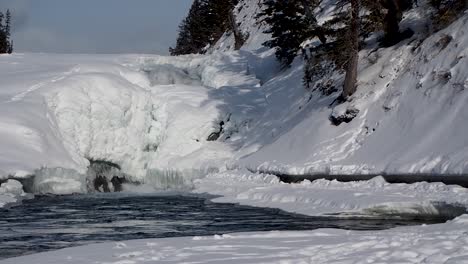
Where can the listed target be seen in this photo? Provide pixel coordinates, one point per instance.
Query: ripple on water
(53, 222)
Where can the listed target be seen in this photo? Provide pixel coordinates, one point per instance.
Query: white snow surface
(372, 198)
(149, 117)
(437, 244)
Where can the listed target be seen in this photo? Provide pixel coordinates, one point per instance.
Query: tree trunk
(239, 38)
(350, 83)
(391, 23)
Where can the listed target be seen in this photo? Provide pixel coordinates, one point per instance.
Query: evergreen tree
(3, 37)
(351, 24)
(385, 15)
(6, 45)
(447, 11)
(206, 22)
(8, 24)
(291, 23)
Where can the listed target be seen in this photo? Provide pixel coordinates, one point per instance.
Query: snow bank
(374, 198)
(434, 244)
(11, 192)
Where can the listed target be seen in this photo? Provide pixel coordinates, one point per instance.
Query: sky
(95, 26)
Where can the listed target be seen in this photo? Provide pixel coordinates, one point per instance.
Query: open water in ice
(53, 222)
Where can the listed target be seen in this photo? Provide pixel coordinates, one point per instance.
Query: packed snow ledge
(367, 198)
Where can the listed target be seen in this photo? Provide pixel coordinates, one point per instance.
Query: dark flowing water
(53, 222)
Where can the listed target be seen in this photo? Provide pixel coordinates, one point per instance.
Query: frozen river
(53, 222)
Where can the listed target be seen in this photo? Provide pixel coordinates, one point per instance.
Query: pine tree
(204, 25)
(8, 24)
(351, 24)
(6, 45)
(385, 15)
(447, 11)
(3, 37)
(291, 23)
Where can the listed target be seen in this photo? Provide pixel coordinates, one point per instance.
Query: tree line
(6, 44)
(291, 23)
(204, 25)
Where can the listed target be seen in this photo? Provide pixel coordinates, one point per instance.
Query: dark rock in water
(117, 183)
(221, 130)
(215, 135)
(347, 117)
(101, 184)
(102, 172)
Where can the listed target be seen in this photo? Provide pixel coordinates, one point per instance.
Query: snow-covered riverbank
(374, 197)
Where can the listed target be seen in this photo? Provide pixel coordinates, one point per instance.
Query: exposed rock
(348, 116)
(101, 184)
(215, 135)
(102, 172)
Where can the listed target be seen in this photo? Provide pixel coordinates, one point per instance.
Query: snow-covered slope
(412, 102)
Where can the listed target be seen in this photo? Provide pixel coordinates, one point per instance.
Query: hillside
(411, 100)
(165, 121)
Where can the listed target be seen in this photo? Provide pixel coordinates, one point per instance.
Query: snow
(11, 193)
(436, 244)
(150, 117)
(370, 198)
(153, 115)
(411, 100)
